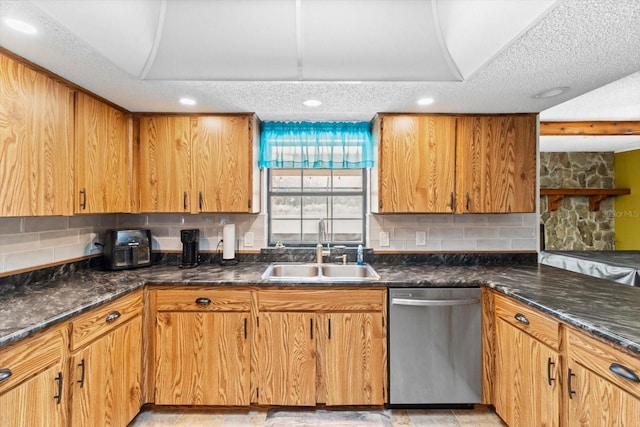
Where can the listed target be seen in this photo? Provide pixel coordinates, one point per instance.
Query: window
(298, 199)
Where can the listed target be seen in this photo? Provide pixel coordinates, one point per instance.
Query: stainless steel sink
(308, 272)
(292, 270)
(349, 271)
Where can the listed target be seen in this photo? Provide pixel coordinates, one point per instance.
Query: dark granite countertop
(604, 308)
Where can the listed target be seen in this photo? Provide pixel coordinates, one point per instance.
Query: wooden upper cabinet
(198, 164)
(36, 139)
(103, 157)
(496, 163)
(416, 164)
(459, 164)
(165, 164)
(223, 164)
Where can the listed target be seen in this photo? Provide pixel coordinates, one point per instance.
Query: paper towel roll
(229, 241)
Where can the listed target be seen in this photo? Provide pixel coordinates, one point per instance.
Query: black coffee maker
(189, 239)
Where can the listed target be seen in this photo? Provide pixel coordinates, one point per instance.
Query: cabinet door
(107, 378)
(594, 401)
(354, 359)
(35, 402)
(223, 164)
(416, 164)
(165, 164)
(102, 160)
(496, 164)
(286, 359)
(526, 388)
(202, 359)
(36, 138)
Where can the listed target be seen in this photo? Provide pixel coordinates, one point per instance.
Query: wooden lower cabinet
(603, 385)
(202, 346)
(202, 359)
(33, 380)
(287, 359)
(526, 386)
(106, 364)
(354, 360)
(107, 378)
(321, 346)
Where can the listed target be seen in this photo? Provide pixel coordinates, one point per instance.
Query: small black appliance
(190, 252)
(125, 249)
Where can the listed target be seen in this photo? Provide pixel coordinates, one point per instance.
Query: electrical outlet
(421, 238)
(384, 238)
(248, 239)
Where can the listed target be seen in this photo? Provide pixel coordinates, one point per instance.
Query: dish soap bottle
(360, 255)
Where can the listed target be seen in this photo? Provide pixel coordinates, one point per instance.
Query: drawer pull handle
(5, 374)
(522, 318)
(83, 195)
(184, 201)
(81, 380)
(113, 316)
(624, 372)
(550, 379)
(58, 397)
(203, 301)
(569, 387)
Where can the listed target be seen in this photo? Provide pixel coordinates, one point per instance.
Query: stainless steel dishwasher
(434, 346)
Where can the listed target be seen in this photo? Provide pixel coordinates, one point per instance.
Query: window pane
(286, 207)
(347, 180)
(347, 230)
(315, 207)
(316, 180)
(310, 232)
(285, 230)
(348, 207)
(286, 180)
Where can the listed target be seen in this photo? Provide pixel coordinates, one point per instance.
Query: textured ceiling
(506, 52)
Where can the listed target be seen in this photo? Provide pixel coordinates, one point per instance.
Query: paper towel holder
(228, 245)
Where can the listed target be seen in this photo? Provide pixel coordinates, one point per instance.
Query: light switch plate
(421, 238)
(384, 238)
(248, 239)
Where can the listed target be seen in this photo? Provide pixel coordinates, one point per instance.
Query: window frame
(302, 193)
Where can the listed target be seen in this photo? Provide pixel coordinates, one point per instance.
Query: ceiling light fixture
(312, 103)
(550, 93)
(21, 26)
(187, 101)
(425, 101)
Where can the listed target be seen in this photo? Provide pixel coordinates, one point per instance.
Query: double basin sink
(311, 272)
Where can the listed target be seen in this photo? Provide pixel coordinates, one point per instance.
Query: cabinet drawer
(203, 299)
(89, 326)
(321, 299)
(605, 360)
(26, 358)
(529, 320)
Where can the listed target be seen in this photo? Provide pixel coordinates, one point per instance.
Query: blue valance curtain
(316, 145)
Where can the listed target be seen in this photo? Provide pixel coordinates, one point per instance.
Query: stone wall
(573, 226)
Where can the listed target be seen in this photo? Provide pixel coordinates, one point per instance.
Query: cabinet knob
(521, 318)
(624, 372)
(5, 374)
(203, 301)
(113, 316)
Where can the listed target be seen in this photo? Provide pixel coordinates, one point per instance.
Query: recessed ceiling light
(21, 26)
(187, 101)
(312, 103)
(550, 93)
(425, 101)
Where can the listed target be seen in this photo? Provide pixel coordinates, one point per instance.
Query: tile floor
(160, 417)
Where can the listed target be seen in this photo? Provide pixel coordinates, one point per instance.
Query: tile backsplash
(34, 241)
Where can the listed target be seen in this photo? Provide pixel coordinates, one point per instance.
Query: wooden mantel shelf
(595, 195)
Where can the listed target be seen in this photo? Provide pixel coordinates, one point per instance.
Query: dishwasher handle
(421, 302)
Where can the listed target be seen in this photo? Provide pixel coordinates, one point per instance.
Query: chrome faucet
(320, 252)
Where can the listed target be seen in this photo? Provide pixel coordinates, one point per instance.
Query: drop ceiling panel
(389, 40)
(227, 40)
